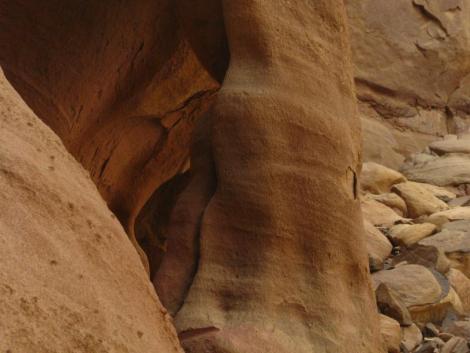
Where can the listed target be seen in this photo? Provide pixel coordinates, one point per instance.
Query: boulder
(461, 285)
(427, 256)
(454, 214)
(455, 245)
(419, 201)
(438, 191)
(409, 234)
(426, 294)
(391, 334)
(411, 337)
(377, 213)
(378, 179)
(390, 304)
(441, 171)
(393, 201)
(378, 246)
(451, 146)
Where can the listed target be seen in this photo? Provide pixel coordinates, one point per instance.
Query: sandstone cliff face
(239, 184)
(412, 60)
(71, 281)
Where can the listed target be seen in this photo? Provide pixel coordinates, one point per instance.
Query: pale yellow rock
(440, 192)
(409, 234)
(377, 213)
(419, 201)
(461, 285)
(451, 146)
(454, 214)
(411, 337)
(378, 246)
(393, 201)
(378, 179)
(391, 334)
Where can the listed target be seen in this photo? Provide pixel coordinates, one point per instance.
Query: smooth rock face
(419, 201)
(126, 104)
(411, 60)
(71, 281)
(378, 179)
(266, 248)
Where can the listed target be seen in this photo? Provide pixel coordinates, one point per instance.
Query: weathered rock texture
(412, 71)
(71, 281)
(263, 250)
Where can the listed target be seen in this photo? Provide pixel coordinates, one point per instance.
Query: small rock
(393, 201)
(430, 330)
(456, 345)
(454, 214)
(377, 213)
(455, 245)
(390, 304)
(377, 179)
(391, 334)
(378, 246)
(409, 234)
(427, 256)
(427, 347)
(445, 336)
(450, 146)
(458, 328)
(411, 337)
(461, 285)
(441, 171)
(419, 201)
(460, 202)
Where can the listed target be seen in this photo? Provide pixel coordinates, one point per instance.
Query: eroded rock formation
(244, 192)
(412, 60)
(71, 281)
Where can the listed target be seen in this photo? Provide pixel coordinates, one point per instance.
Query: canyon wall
(234, 175)
(412, 72)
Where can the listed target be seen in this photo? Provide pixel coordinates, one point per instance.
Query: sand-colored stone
(409, 234)
(393, 201)
(391, 334)
(411, 337)
(377, 213)
(419, 201)
(378, 179)
(71, 281)
(461, 285)
(378, 246)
